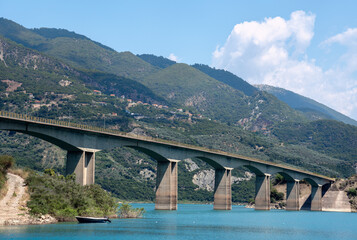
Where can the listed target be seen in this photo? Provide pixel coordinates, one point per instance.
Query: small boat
(92, 220)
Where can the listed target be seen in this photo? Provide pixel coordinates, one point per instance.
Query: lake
(193, 221)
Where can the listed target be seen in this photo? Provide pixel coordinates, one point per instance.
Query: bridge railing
(58, 122)
(87, 127)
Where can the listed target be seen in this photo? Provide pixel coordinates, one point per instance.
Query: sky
(309, 47)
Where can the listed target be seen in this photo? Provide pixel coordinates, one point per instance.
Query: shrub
(352, 192)
(50, 172)
(63, 198)
(275, 195)
(279, 179)
(127, 211)
(6, 162)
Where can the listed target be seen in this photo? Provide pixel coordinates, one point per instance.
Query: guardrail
(156, 140)
(93, 128)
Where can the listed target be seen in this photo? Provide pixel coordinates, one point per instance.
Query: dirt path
(11, 204)
(13, 209)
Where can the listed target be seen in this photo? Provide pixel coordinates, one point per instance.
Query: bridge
(82, 142)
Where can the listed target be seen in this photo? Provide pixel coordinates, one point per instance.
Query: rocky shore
(29, 220)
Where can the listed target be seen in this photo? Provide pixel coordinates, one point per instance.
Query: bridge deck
(98, 130)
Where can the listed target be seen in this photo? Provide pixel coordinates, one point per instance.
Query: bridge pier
(222, 190)
(82, 163)
(262, 192)
(166, 186)
(314, 201)
(292, 195)
(316, 198)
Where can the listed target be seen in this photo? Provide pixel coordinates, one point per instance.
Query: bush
(127, 211)
(6, 162)
(279, 179)
(275, 195)
(63, 198)
(352, 192)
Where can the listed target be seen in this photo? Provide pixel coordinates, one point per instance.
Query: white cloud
(348, 38)
(274, 52)
(172, 57)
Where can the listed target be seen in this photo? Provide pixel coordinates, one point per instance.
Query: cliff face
(205, 179)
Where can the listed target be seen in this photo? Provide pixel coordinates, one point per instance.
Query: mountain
(184, 85)
(156, 61)
(309, 107)
(77, 50)
(192, 88)
(330, 137)
(35, 75)
(227, 78)
(218, 74)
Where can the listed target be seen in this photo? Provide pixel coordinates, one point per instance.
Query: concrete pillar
(316, 198)
(292, 195)
(166, 186)
(262, 192)
(222, 190)
(83, 165)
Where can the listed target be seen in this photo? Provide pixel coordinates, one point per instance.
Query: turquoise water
(201, 222)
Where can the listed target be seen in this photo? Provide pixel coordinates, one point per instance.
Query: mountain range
(55, 73)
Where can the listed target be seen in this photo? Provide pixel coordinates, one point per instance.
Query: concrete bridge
(82, 142)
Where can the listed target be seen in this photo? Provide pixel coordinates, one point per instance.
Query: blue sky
(317, 59)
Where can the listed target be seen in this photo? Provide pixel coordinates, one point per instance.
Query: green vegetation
(64, 199)
(127, 211)
(6, 162)
(330, 137)
(278, 179)
(113, 84)
(183, 85)
(275, 196)
(352, 192)
(159, 62)
(244, 191)
(312, 109)
(227, 78)
(77, 50)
